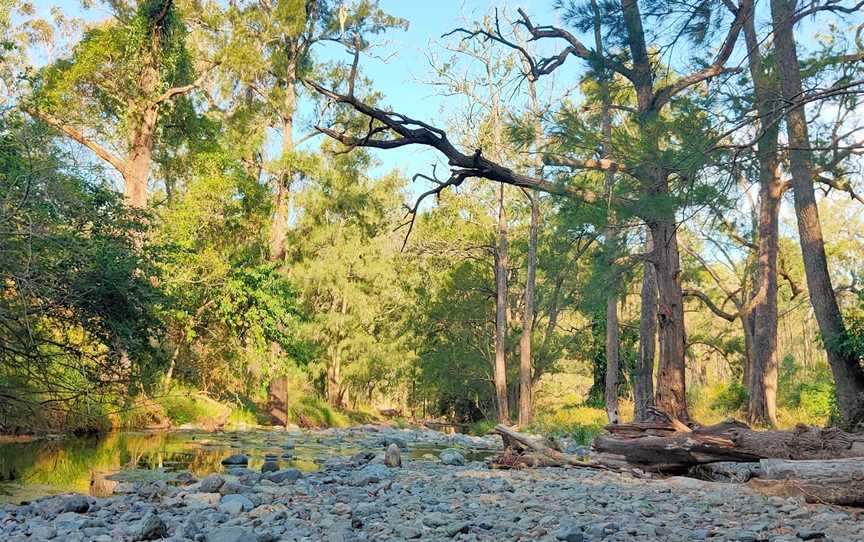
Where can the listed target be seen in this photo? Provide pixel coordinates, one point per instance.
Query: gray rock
(236, 459)
(435, 519)
(269, 466)
(234, 504)
(151, 528)
(370, 474)
(570, 534)
(456, 528)
(809, 533)
(284, 475)
(387, 441)
(231, 534)
(211, 484)
(451, 457)
(392, 458)
(76, 503)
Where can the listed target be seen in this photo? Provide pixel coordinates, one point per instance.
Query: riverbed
(442, 490)
(30, 469)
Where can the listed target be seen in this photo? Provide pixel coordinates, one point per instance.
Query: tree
(75, 292)
(845, 365)
(130, 73)
(649, 168)
(266, 49)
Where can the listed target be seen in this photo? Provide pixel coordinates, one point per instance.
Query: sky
(400, 63)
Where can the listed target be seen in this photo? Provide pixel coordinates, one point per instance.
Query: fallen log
(524, 451)
(829, 481)
(661, 446)
(726, 471)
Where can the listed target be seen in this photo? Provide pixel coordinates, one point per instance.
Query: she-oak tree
(389, 130)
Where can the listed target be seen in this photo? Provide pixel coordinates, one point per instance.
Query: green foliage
(731, 397)
(581, 423)
(77, 300)
(482, 427)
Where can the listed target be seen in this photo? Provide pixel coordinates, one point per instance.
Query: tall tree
(127, 73)
(652, 168)
(266, 49)
(845, 365)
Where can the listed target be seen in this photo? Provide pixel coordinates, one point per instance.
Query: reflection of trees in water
(74, 464)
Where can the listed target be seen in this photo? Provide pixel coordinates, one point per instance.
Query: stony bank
(442, 496)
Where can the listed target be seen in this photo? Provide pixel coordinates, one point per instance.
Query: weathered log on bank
(660, 446)
(830, 481)
(523, 451)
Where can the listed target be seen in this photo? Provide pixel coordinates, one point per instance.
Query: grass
(578, 422)
(312, 411)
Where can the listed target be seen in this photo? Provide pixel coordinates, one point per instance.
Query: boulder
(451, 457)
(152, 528)
(236, 459)
(392, 458)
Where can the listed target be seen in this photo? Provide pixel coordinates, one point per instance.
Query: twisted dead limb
(533, 453)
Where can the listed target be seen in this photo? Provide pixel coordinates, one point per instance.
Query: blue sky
(397, 79)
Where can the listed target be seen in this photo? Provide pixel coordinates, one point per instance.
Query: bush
(581, 423)
(816, 399)
(481, 427)
(730, 397)
(312, 411)
(185, 405)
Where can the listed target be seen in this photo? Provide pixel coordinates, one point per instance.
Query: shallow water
(29, 470)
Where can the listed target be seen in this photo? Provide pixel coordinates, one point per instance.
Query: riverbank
(442, 494)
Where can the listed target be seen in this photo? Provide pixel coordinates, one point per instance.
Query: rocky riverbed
(437, 496)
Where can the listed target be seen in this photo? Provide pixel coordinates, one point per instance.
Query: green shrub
(481, 427)
(312, 411)
(581, 423)
(816, 398)
(730, 397)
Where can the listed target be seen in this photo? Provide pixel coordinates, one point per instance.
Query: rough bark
(761, 374)
(671, 388)
(665, 446)
(500, 368)
(643, 381)
(845, 366)
(526, 366)
(830, 481)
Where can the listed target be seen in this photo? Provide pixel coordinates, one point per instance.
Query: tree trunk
(610, 394)
(654, 178)
(282, 190)
(526, 404)
(643, 381)
(612, 363)
(761, 377)
(500, 373)
(671, 388)
(670, 447)
(831, 481)
(846, 368)
(137, 171)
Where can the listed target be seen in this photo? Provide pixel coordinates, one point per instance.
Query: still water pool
(33, 469)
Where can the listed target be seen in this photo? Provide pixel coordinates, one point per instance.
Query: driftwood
(726, 471)
(661, 446)
(831, 481)
(523, 451)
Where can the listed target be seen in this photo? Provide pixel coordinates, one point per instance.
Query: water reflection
(91, 465)
(94, 466)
